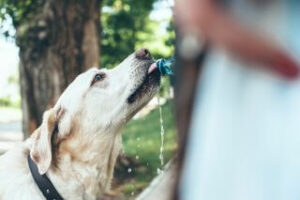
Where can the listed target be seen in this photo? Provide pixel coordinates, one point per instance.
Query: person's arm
(219, 29)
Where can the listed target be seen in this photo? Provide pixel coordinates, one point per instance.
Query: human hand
(215, 26)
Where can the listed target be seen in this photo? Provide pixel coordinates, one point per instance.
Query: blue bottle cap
(164, 66)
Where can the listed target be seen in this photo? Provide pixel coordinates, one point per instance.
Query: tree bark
(61, 42)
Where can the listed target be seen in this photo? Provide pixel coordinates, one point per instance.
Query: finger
(285, 66)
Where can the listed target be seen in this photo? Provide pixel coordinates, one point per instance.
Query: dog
(79, 139)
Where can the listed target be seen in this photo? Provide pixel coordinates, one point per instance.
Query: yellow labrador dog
(78, 142)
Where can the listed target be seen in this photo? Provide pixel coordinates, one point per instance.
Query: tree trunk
(61, 42)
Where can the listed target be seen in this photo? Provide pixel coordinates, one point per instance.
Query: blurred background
(44, 44)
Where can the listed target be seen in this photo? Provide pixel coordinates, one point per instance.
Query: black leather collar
(43, 182)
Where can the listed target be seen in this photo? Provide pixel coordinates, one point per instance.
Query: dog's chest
(94, 178)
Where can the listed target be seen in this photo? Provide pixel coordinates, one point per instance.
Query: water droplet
(129, 170)
(159, 171)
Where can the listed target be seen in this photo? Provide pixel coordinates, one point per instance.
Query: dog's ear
(41, 150)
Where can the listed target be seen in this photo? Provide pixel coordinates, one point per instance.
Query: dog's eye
(98, 77)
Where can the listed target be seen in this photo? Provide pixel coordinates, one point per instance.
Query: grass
(142, 141)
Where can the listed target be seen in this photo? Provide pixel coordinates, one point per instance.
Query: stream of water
(162, 133)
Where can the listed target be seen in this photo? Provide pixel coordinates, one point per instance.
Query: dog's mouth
(150, 82)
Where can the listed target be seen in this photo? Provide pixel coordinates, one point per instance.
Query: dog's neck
(84, 169)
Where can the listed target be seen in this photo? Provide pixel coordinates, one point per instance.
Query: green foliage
(126, 26)
(19, 11)
(6, 101)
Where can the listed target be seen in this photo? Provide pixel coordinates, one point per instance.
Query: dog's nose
(142, 53)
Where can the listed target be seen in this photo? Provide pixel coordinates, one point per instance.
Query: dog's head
(97, 104)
